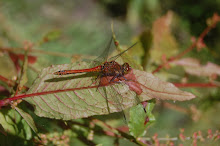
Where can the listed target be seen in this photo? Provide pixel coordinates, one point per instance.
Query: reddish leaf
(31, 59)
(192, 66)
(164, 42)
(16, 57)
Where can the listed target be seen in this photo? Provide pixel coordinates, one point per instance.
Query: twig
(10, 83)
(146, 140)
(198, 85)
(122, 134)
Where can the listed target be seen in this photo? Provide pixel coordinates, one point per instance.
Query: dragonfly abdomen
(66, 72)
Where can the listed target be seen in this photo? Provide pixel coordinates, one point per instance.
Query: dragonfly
(106, 69)
(111, 70)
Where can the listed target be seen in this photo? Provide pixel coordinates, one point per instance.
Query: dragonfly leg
(99, 76)
(118, 77)
(124, 78)
(113, 78)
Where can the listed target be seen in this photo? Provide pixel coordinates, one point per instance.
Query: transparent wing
(120, 54)
(103, 57)
(99, 60)
(117, 95)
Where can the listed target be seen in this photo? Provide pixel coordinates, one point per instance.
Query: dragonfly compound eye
(126, 67)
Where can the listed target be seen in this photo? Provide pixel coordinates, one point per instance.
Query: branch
(215, 20)
(11, 83)
(116, 131)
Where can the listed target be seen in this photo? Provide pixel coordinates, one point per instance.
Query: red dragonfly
(109, 69)
(106, 69)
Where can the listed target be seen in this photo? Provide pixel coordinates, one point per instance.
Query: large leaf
(72, 96)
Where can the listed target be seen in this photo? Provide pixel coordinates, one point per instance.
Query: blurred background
(65, 31)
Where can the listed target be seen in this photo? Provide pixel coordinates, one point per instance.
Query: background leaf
(164, 42)
(192, 66)
(27, 118)
(6, 65)
(13, 123)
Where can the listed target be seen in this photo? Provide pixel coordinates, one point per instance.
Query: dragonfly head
(126, 68)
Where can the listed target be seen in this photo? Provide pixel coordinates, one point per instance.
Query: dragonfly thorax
(113, 68)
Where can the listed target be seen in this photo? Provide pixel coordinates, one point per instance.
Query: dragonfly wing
(113, 100)
(135, 97)
(103, 57)
(120, 54)
(117, 95)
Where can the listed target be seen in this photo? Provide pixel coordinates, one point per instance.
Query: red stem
(6, 101)
(199, 85)
(9, 82)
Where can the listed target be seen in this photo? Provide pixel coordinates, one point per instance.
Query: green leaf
(13, 124)
(72, 97)
(136, 122)
(27, 129)
(2, 130)
(138, 117)
(149, 108)
(27, 118)
(7, 124)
